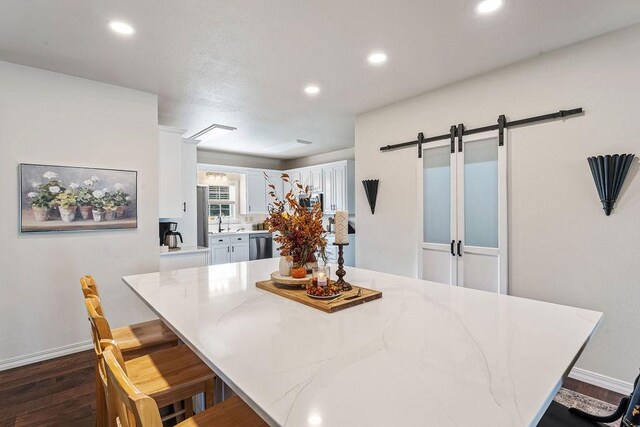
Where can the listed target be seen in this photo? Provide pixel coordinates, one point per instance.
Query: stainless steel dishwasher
(260, 246)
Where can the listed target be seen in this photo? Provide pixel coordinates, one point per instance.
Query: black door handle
(459, 243)
(452, 243)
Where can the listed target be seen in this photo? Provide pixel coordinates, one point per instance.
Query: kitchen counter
(234, 233)
(424, 354)
(185, 250)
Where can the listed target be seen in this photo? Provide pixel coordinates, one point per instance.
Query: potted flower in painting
(109, 206)
(121, 200)
(300, 229)
(98, 202)
(43, 200)
(67, 203)
(84, 198)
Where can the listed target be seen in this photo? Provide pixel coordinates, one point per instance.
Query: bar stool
(136, 409)
(137, 339)
(168, 376)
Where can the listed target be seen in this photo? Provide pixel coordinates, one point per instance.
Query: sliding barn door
(482, 213)
(464, 213)
(439, 225)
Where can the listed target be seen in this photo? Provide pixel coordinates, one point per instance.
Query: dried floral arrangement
(301, 232)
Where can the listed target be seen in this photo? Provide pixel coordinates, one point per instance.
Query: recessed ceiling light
(489, 6)
(312, 90)
(377, 58)
(121, 28)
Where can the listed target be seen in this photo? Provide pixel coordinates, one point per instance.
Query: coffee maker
(169, 235)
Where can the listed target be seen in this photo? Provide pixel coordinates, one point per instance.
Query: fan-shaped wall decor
(609, 173)
(371, 190)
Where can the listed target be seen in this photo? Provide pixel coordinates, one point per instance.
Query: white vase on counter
(284, 268)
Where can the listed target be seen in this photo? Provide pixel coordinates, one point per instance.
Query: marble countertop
(233, 233)
(424, 354)
(185, 250)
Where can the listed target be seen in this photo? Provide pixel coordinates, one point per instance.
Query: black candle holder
(345, 286)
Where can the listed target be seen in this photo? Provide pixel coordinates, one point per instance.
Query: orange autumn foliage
(300, 228)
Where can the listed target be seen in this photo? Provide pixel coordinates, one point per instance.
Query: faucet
(219, 223)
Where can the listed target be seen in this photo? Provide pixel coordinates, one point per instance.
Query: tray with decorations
(323, 292)
(357, 296)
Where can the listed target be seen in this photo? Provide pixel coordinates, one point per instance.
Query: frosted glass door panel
(437, 195)
(481, 193)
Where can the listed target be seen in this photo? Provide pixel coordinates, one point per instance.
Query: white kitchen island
(426, 354)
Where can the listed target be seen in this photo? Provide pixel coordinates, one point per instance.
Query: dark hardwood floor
(57, 392)
(60, 392)
(593, 391)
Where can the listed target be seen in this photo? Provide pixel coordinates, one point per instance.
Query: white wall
(57, 119)
(318, 159)
(563, 248)
(240, 160)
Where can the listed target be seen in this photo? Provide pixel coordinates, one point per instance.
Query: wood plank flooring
(57, 392)
(60, 392)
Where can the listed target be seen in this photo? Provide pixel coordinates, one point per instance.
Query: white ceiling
(245, 63)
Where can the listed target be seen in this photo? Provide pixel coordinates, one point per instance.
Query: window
(222, 201)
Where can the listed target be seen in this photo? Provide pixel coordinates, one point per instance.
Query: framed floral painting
(67, 198)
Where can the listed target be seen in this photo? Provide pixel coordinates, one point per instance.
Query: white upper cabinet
(336, 181)
(255, 194)
(170, 172)
(275, 178)
(316, 183)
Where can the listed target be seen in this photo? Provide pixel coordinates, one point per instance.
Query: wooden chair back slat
(133, 408)
(88, 285)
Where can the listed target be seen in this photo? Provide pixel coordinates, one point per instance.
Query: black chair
(559, 415)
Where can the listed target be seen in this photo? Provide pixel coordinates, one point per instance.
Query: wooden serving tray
(328, 306)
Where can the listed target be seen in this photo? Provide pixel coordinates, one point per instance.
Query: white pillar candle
(342, 227)
(322, 279)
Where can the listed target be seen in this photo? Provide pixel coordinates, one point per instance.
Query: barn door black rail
(500, 126)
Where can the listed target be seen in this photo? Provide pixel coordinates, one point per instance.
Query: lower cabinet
(226, 249)
(240, 252)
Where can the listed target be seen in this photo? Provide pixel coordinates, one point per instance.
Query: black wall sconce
(609, 173)
(371, 190)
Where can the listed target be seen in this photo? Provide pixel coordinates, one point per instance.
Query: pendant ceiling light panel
(609, 173)
(371, 190)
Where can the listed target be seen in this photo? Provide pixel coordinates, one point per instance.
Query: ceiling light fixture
(312, 90)
(214, 131)
(489, 6)
(216, 176)
(377, 58)
(121, 28)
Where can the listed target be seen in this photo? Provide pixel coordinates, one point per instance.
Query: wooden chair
(135, 408)
(138, 339)
(169, 376)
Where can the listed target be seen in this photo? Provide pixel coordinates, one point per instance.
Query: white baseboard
(39, 356)
(599, 380)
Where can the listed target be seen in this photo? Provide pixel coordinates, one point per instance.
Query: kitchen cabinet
(275, 178)
(226, 249)
(336, 181)
(220, 253)
(254, 194)
(316, 183)
(170, 172)
(305, 179)
(240, 252)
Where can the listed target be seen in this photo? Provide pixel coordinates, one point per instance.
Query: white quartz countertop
(426, 354)
(233, 233)
(185, 250)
